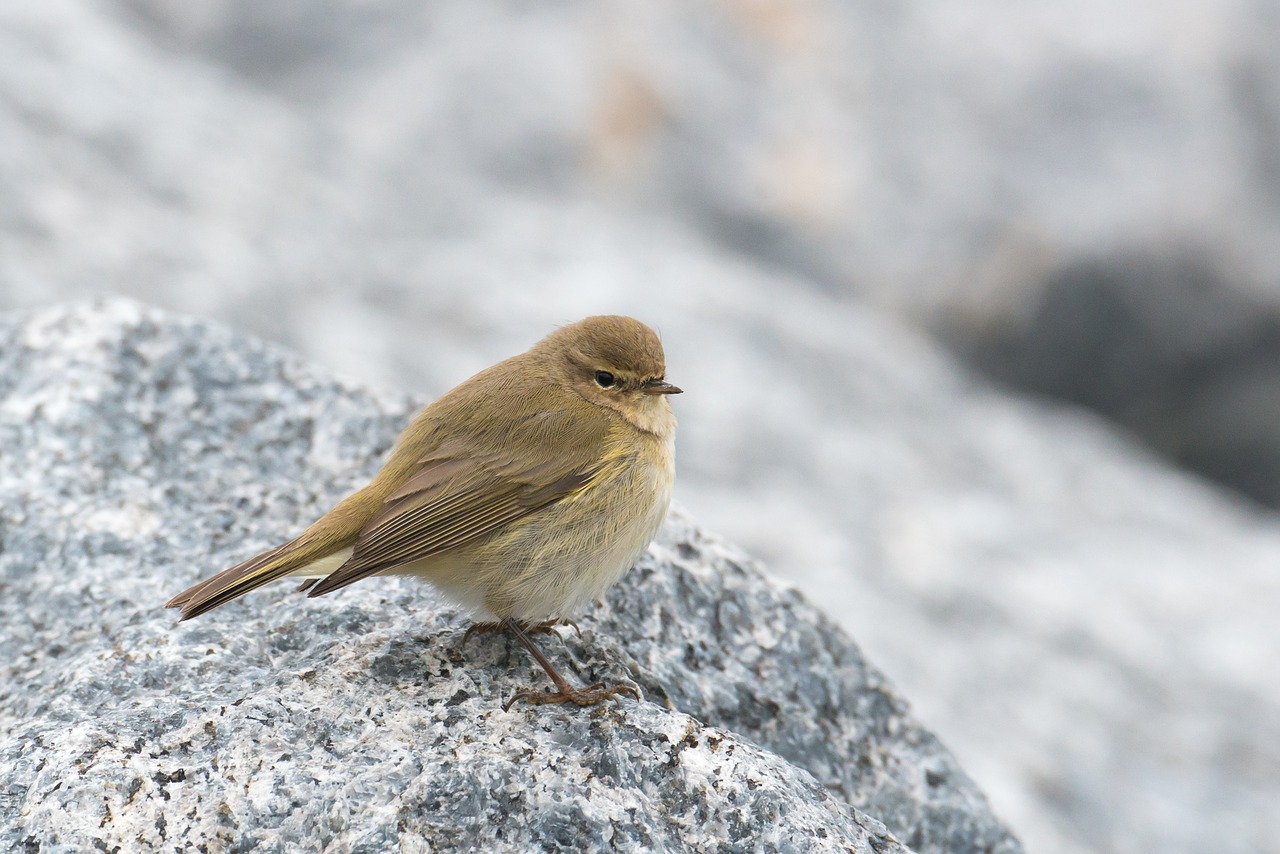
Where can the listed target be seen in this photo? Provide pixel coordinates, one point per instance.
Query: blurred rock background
(1081, 201)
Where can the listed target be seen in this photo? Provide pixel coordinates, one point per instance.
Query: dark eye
(604, 379)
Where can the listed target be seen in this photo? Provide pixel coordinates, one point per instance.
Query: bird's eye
(604, 379)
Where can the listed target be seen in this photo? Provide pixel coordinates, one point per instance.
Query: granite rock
(146, 451)
(390, 189)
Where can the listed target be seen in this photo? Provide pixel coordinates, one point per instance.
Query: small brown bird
(524, 493)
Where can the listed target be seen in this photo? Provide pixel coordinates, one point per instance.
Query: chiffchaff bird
(524, 493)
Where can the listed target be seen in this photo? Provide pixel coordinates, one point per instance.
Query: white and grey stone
(407, 192)
(145, 451)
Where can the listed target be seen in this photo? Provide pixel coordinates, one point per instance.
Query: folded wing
(455, 498)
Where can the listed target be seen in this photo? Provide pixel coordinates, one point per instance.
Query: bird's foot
(564, 692)
(589, 696)
(546, 627)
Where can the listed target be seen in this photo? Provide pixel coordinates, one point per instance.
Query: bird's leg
(588, 696)
(546, 627)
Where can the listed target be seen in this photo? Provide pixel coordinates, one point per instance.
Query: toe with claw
(546, 627)
(589, 696)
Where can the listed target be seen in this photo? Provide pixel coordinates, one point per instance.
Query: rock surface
(390, 189)
(151, 450)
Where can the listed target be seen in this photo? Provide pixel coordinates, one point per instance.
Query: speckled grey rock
(143, 451)
(384, 187)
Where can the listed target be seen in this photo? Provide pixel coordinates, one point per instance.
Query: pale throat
(652, 414)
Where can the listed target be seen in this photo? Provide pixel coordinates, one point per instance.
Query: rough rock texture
(390, 188)
(151, 450)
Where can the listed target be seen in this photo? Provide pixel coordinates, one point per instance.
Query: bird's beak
(659, 387)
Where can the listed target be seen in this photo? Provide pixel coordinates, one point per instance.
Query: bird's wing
(457, 496)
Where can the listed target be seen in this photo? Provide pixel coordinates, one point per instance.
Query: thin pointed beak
(659, 387)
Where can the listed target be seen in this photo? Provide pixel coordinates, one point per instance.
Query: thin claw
(480, 629)
(590, 696)
(547, 627)
(564, 692)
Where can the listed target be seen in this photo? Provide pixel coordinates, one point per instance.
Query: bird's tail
(296, 557)
(320, 550)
